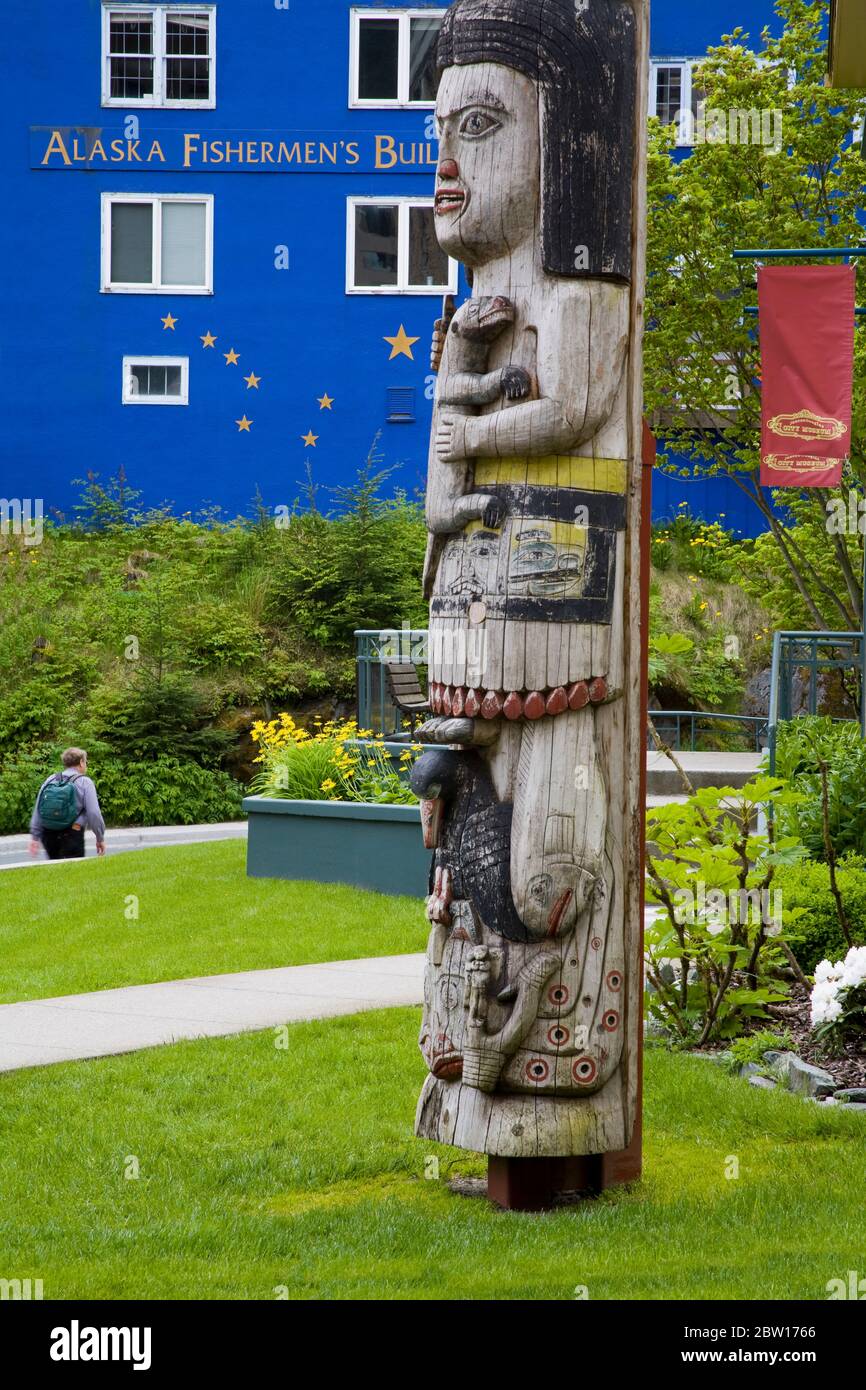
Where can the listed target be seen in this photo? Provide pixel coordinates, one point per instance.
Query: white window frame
(405, 16)
(159, 12)
(156, 201)
(128, 397)
(686, 66)
(402, 286)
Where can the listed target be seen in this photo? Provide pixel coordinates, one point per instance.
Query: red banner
(807, 371)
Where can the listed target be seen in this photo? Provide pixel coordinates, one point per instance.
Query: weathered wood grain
(532, 1011)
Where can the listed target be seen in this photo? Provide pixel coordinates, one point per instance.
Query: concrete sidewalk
(76, 1026)
(15, 849)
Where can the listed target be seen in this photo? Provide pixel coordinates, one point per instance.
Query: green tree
(703, 386)
(358, 568)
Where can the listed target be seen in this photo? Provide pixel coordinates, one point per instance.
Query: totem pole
(531, 781)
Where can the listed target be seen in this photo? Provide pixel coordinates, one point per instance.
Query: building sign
(235, 151)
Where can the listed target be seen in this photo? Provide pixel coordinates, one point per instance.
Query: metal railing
(375, 648)
(812, 653)
(669, 725)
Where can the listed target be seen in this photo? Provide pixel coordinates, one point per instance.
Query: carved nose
(448, 169)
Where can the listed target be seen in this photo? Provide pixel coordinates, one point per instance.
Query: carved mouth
(449, 200)
(448, 1066)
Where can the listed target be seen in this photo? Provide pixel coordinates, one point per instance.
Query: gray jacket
(89, 814)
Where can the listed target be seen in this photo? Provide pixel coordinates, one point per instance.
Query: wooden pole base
(533, 1184)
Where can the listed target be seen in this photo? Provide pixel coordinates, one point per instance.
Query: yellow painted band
(556, 470)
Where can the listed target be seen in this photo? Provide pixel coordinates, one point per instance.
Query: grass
(68, 929)
(265, 1170)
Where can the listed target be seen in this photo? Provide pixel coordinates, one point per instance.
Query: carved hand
(516, 383)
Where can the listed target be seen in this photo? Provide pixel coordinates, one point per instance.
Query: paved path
(77, 1026)
(15, 849)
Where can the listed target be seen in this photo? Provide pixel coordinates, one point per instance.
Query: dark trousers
(64, 844)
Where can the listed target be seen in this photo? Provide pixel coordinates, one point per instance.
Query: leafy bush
(166, 791)
(20, 780)
(218, 635)
(806, 885)
(802, 744)
(328, 765)
(715, 950)
(706, 674)
(752, 1048)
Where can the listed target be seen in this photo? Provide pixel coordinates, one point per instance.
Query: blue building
(222, 268)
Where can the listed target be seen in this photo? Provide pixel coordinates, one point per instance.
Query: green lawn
(261, 1169)
(68, 929)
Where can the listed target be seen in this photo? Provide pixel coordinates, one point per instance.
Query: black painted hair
(585, 63)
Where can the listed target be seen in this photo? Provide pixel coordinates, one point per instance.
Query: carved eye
(478, 123)
(584, 1070)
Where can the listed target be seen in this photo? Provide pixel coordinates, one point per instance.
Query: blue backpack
(58, 803)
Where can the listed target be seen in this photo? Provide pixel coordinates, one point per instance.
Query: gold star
(401, 343)
(232, 358)
(325, 402)
(208, 340)
(252, 381)
(310, 439)
(243, 424)
(168, 322)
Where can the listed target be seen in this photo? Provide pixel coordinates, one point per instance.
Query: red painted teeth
(458, 701)
(578, 695)
(491, 705)
(513, 707)
(557, 701)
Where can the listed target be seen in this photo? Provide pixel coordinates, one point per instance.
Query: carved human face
(489, 176)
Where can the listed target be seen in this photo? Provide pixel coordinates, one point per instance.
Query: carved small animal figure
(451, 501)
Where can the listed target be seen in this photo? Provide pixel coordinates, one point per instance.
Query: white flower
(854, 968)
(825, 1010)
(824, 971)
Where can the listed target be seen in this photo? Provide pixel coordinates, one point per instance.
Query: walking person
(67, 804)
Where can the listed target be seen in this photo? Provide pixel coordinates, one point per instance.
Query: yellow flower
(327, 786)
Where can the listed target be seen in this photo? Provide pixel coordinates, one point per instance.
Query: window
(393, 57)
(155, 381)
(392, 248)
(674, 96)
(154, 243)
(158, 55)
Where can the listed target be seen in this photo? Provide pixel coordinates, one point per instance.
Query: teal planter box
(366, 846)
